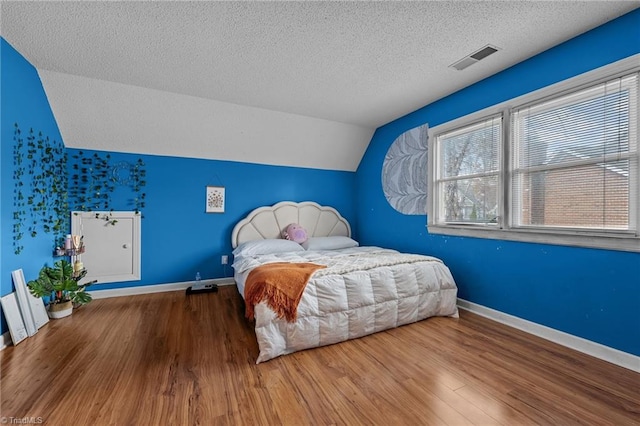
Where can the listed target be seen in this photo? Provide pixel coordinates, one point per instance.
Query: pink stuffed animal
(295, 232)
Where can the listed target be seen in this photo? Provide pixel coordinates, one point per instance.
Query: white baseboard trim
(597, 350)
(5, 340)
(158, 288)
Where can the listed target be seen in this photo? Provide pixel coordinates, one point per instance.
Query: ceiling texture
(360, 64)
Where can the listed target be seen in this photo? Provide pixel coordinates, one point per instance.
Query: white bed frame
(269, 222)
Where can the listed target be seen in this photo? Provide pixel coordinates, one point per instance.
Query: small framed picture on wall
(215, 199)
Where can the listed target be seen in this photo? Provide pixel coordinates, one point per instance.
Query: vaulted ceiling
(324, 73)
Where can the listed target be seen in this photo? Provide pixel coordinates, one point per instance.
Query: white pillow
(268, 246)
(329, 243)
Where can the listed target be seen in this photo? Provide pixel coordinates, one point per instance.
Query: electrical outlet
(224, 259)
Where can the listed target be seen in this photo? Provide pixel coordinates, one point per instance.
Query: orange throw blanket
(281, 284)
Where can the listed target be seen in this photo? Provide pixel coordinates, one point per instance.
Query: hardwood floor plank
(168, 358)
(446, 406)
(495, 409)
(562, 379)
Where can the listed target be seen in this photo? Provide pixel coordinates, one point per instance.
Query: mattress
(363, 290)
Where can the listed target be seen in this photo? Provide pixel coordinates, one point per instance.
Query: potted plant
(60, 282)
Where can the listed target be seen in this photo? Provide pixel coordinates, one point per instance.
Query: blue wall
(594, 294)
(180, 239)
(23, 102)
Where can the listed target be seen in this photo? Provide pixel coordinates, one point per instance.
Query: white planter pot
(60, 310)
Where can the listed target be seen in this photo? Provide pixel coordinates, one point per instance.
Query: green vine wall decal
(138, 175)
(48, 199)
(19, 212)
(43, 191)
(92, 184)
(94, 179)
(40, 166)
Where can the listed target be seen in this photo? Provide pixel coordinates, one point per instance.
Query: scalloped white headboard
(270, 221)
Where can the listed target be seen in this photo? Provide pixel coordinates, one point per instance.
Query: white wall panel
(113, 245)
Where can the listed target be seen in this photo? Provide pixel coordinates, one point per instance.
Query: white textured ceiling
(360, 63)
(365, 63)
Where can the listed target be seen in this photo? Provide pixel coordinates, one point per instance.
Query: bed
(358, 290)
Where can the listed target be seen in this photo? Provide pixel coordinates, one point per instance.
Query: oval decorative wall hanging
(404, 172)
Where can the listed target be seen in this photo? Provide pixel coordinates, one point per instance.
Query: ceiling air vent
(474, 57)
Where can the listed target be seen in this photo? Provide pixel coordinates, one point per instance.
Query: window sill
(608, 242)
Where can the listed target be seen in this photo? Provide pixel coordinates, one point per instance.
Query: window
(469, 179)
(557, 166)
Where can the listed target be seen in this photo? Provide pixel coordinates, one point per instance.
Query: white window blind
(468, 174)
(575, 159)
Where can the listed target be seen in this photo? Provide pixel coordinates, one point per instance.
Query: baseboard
(158, 288)
(597, 350)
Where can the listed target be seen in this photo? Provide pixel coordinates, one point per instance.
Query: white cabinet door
(112, 241)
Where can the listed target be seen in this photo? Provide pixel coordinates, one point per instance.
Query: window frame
(624, 240)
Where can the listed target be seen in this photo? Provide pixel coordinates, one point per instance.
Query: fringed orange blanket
(281, 285)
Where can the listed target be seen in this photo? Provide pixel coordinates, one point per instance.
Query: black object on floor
(209, 288)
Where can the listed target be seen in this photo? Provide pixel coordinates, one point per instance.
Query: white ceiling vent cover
(474, 57)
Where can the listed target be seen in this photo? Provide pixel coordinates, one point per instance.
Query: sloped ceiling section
(101, 115)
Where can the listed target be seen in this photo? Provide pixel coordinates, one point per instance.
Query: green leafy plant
(61, 283)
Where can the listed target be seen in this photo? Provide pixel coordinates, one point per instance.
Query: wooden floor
(171, 359)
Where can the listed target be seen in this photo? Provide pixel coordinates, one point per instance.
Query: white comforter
(363, 290)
